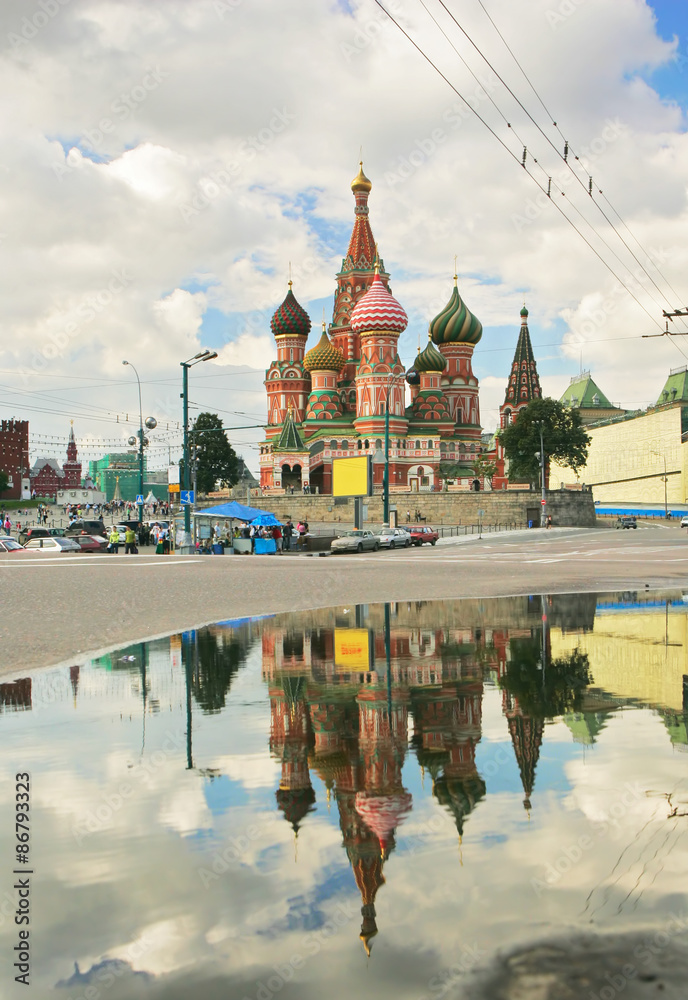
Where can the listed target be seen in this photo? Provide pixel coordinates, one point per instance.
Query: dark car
(626, 521)
(91, 543)
(26, 534)
(421, 533)
(85, 528)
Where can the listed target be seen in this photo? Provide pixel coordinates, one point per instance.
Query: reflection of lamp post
(541, 456)
(201, 356)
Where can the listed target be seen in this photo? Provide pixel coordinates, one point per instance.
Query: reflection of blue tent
(267, 519)
(233, 509)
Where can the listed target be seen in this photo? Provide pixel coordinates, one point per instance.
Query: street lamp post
(151, 423)
(385, 471)
(541, 456)
(196, 359)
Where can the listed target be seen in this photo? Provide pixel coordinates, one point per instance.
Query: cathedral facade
(330, 401)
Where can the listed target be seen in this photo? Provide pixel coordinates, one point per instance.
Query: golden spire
(456, 277)
(360, 181)
(290, 282)
(377, 260)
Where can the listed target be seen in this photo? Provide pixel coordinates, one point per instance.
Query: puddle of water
(367, 798)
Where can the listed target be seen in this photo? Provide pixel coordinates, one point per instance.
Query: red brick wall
(14, 454)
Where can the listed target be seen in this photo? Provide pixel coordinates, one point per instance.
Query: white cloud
(227, 159)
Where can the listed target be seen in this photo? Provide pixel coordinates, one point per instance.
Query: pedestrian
(408, 516)
(549, 520)
(252, 536)
(129, 541)
(277, 535)
(113, 541)
(7, 524)
(287, 532)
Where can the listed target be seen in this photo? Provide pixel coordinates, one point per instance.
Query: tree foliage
(563, 435)
(217, 460)
(484, 467)
(545, 691)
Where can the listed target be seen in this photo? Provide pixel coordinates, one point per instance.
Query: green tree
(563, 435)
(485, 467)
(4, 481)
(217, 460)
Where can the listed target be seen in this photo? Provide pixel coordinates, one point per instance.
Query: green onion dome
(290, 319)
(456, 324)
(430, 360)
(324, 357)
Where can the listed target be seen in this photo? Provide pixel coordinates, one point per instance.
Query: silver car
(393, 538)
(52, 545)
(356, 541)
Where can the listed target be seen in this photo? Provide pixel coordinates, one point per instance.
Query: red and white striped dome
(378, 310)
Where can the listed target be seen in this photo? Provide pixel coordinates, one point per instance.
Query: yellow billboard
(352, 649)
(351, 477)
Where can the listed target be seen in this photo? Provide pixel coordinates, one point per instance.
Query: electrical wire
(514, 157)
(577, 158)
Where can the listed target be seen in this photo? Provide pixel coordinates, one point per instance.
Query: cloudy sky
(164, 162)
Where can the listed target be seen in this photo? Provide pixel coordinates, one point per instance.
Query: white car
(684, 522)
(52, 545)
(393, 538)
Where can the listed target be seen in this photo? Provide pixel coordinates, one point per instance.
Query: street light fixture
(151, 423)
(541, 455)
(206, 355)
(412, 377)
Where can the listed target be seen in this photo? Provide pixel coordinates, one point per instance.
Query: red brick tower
(72, 467)
(286, 380)
(456, 331)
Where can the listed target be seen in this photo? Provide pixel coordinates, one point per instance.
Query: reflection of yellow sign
(173, 487)
(175, 651)
(352, 649)
(350, 477)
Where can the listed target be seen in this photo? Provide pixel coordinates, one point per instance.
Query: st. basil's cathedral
(329, 402)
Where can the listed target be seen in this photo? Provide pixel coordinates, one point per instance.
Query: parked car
(393, 538)
(91, 543)
(422, 533)
(84, 527)
(684, 522)
(10, 545)
(52, 545)
(356, 541)
(626, 521)
(57, 532)
(34, 532)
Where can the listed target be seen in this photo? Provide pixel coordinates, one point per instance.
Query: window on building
(417, 444)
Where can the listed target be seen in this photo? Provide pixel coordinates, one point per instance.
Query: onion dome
(524, 313)
(290, 319)
(430, 360)
(378, 310)
(383, 814)
(456, 324)
(360, 181)
(324, 356)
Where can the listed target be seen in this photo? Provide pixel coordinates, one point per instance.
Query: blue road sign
(186, 496)
(139, 499)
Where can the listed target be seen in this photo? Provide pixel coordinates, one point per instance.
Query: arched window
(345, 445)
(333, 445)
(359, 445)
(417, 444)
(378, 443)
(367, 444)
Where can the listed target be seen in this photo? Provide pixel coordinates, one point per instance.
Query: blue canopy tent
(233, 510)
(267, 520)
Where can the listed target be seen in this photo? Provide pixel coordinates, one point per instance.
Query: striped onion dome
(430, 360)
(290, 319)
(378, 310)
(324, 357)
(456, 324)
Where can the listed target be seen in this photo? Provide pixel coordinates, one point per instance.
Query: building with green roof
(583, 394)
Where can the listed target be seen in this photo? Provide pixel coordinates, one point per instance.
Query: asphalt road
(57, 607)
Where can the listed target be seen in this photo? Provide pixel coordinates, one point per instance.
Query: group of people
(157, 534)
(286, 536)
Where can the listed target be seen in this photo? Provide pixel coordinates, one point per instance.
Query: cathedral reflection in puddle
(490, 768)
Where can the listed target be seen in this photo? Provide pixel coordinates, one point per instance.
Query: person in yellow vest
(113, 539)
(129, 541)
